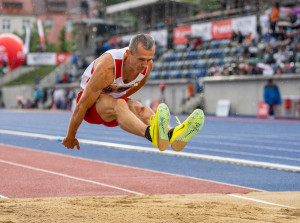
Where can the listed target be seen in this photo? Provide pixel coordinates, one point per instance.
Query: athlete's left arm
(142, 82)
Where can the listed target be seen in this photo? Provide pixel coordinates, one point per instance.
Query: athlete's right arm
(102, 77)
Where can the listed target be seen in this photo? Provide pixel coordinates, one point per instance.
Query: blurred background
(217, 55)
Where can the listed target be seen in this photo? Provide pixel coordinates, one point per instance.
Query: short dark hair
(146, 40)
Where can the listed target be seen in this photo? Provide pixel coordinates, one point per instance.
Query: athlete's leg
(143, 112)
(110, 109)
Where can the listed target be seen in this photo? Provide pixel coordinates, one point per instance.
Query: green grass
(28, 78)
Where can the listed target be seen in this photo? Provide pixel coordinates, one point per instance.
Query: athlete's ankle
(170, 133)
(147, 134)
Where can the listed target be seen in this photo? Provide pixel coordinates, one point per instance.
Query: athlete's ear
(128, 52)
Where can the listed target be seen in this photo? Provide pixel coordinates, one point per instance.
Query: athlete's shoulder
(104, 61)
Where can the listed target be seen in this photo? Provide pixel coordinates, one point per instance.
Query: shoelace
(178, 121)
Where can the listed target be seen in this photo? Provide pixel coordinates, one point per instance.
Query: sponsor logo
(181, 33)
(182, 126)
(222, 29)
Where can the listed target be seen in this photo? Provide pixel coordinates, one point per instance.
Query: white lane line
(260, 201)
(167, 152)
(1, 196)
(253, 146)
(251, 139)
(228, 151)
(71, 177)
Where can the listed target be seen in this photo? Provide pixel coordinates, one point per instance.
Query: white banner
(41, 58)
(221, 29)
(160, 36)
(246, 25)
(202, 30)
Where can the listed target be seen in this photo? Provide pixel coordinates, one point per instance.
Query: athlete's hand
(70, 143)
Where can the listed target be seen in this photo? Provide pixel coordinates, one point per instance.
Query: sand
(187, 208)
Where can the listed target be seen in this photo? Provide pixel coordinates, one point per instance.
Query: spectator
(270, 39)
(58, 79)
(70, 97)
(20, 101)
(189, 43)
(268, 56)
(282, 55)
(278, 70)
(240, 37)
(272, 96)
(74, 64)
(237, 38)
(197, 43)
(48, 103)
(274, 16)
(65, 78)
(1, 100)
(37, 98)
(264, 23)
(59, 98)
(191, 91)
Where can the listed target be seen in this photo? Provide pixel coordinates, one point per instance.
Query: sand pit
(155, 208)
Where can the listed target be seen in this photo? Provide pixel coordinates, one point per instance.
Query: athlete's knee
(144, 113)
(143, 110)
(120, 106)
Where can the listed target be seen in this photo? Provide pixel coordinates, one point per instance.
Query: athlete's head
(141, 51)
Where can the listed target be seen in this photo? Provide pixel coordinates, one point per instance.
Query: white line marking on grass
(260, 201)
(167, 152)
(71, 177)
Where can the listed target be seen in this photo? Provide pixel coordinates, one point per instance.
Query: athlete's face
(141, 58)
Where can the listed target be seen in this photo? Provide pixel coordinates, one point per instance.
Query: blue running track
(276, 142)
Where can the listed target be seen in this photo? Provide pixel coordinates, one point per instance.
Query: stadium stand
(239, 54)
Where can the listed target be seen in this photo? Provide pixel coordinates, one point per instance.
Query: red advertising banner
(62, 57)
(181, 33)
(222, 29)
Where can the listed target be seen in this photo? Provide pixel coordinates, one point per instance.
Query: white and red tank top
(118, 88)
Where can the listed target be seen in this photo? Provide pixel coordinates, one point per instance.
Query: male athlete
(108, 82)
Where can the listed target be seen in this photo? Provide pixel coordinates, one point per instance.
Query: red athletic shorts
(93, 117)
